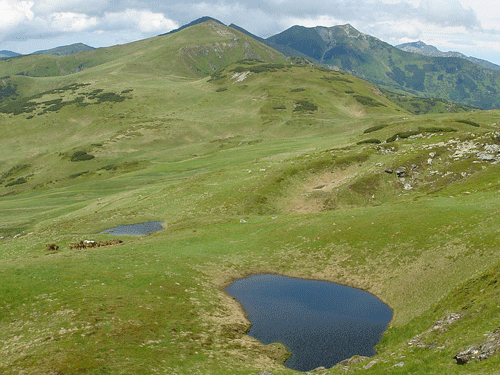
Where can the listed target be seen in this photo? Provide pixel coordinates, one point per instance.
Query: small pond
(140, 229)
(321, 323)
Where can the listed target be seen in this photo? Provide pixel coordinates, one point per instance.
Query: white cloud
(447, 13)
(143, 20)
(397, 32)
(321, 20)
(71, 22)
(13, 13)
(44, 7)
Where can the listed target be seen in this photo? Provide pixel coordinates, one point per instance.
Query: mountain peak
(418, 44)
(193, 23)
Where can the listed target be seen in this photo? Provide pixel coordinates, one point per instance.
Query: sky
(471, 27)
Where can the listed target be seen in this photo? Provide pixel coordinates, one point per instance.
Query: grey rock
(494, 149)
(401, 173)
(319, 369)
(371, 364)
(486, 156)
(390, 171)
(481, 352)
(265, 373)
(400, 364)
(441, 324)
(467, 355)
(353, 360)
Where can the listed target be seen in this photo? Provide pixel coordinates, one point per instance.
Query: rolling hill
(255, 163)
(65, 50)
(198, 52)
(346, 49)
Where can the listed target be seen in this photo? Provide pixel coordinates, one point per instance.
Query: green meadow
(255, 164)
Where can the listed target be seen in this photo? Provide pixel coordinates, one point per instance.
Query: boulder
(481, 352)
(401, 173)
(486, 156)
(467, 355)
(371, 364)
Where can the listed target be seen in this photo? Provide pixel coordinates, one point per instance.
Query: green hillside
(254, 163)
(345, 48)
(195, 52)
(66, 50)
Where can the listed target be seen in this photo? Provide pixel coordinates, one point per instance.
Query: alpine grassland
(255, 163)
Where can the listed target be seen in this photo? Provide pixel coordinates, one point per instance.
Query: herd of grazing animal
(80, 245)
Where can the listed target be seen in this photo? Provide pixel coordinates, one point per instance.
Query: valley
(255, 162)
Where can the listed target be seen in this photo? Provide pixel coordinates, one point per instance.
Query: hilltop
(66, 50)
(197, 52)
(255, 163)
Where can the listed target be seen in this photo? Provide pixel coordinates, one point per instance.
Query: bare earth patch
(303, 197)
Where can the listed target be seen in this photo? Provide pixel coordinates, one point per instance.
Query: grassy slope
(156, 303)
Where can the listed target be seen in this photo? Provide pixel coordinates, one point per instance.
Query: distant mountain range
(346, 49)
(6, 54)
(58, 51)
(428, 50)
(66, 50)
(474, 83)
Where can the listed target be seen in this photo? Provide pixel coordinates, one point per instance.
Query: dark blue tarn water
(321, 323)
(140, 229)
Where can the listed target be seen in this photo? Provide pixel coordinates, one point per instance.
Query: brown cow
(51, 247)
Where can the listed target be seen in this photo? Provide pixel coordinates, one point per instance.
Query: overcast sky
(468, 26)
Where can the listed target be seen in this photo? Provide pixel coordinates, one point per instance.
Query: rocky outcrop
(480, 352)
(442, 324)
(401, 172)
(353, 360)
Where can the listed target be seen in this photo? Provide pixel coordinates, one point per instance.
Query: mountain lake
(320, 323)
(140, 229)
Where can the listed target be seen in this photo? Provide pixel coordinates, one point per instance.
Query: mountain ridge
(5, 54)
(193, 23)
(429, 50)
(346, 49)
